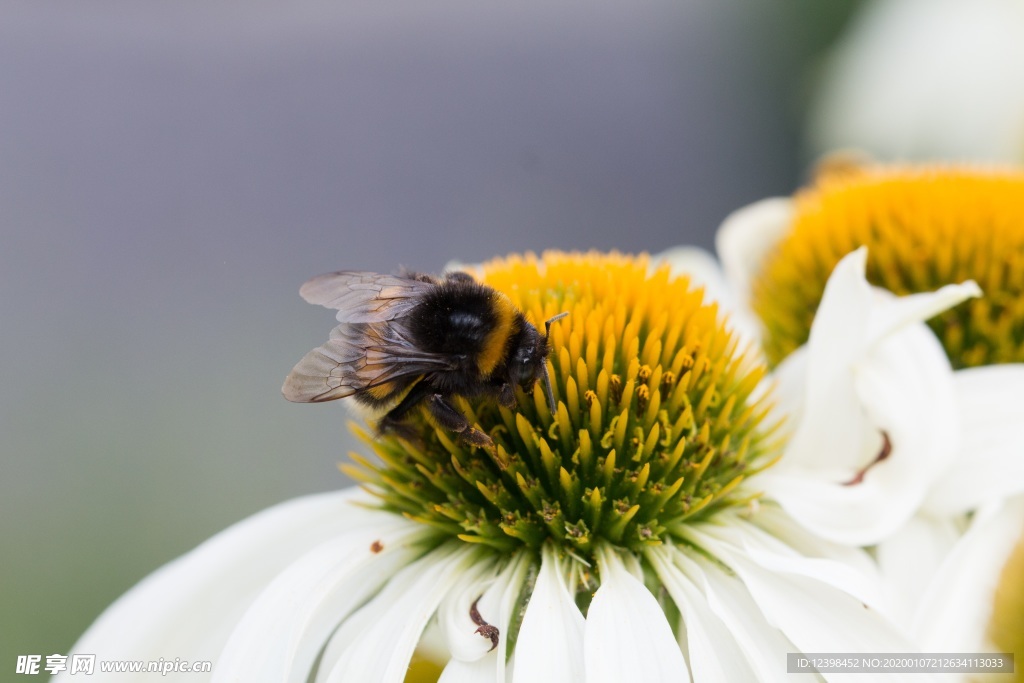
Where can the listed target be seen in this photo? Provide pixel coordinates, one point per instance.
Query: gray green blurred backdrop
(171, 172)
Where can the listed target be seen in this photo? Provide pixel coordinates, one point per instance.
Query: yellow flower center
(655, 423)
(924, 228)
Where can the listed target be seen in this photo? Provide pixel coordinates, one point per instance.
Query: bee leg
(450, 418)
(507, 396)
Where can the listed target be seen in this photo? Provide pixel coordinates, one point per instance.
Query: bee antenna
(544, 366)
(547, 323)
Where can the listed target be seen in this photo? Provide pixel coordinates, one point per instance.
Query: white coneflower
(619, 539)
(930, 419)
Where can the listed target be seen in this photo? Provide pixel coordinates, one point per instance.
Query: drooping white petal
(852, 573)
(628, 636)
(747, 237)
(830, 480)
(377, 642)
(280, 636)
(815, 616)
(957, 606)
(990, 461)
(832, 432)
(506, 591)
(786, 533)
(550, 643)
(908, 561)
(497, 606)
(877, 420)
(763, 645)
(454, 615)
(189, 607)
(713, 653)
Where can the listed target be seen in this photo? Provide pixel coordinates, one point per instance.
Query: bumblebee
(407, 341)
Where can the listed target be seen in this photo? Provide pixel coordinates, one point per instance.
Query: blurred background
(171, 172)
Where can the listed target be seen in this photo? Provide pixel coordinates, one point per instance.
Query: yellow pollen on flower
(656, 423)
(924, 227)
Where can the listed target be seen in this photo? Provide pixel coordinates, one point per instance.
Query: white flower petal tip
(747, 236)
(550, 644)
(878, 421)
(628, 636)
(886, 313)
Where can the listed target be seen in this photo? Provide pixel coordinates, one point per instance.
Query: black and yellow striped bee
(412, 340)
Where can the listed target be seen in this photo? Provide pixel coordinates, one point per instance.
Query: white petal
(505, 592)
(783, 528)
(909, 559)
(900, 312)
(905, 390)
(990, 462)
(188, 608)
(843, 514)
(747, 237)
(497, 606)
(281, 635)
(628, 636)
(815, 616)
(377, 642)
(957, 606)
(871, 371)
(788, 387)
(857, 578)
(714, 654)
(832, 431)
(550, 643)
(763, 645)
(453, 615)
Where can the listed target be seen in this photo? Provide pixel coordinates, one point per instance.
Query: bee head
(527, 363)
(529, 359)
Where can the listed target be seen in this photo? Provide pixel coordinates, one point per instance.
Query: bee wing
(356, 358)
(364, 297)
